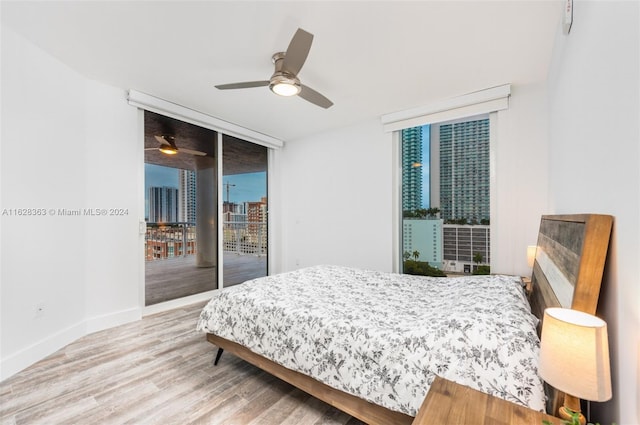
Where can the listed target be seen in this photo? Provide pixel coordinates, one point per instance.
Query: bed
(371, 343)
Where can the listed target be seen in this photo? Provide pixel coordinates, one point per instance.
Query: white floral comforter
(383, 337)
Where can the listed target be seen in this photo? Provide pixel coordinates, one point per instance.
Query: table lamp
(574, 358)
(531, 255)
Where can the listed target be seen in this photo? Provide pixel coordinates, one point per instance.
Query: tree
(432, 212)
(421, 268)
(406, 255)
(477, 258)
(421, 212)
(416, 255)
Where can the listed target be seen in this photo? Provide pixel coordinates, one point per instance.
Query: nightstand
(451, 403)
(528, 286)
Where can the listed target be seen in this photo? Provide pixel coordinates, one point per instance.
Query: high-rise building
(465, 247)
(411, 169)
(163, 204)
(187, 196)
(464, 169)
(424, 238)
(257, 221)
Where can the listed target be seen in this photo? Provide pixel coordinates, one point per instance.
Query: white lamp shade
(574, 354)
(531, 255)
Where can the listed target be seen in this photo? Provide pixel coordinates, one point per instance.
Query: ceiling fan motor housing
(283, 82)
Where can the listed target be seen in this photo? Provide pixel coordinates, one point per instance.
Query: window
(445, 194)
(457, 109)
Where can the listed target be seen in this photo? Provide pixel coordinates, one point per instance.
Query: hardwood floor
(240, 268)
(178, 277)
(158, 370)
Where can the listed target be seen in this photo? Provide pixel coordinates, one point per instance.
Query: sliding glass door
(194, 224)
(244, 210)
(180, 209)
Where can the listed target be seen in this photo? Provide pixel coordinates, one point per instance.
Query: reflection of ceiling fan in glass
(285, 81)
(168, 146)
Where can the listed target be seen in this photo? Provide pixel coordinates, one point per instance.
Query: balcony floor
(179, 277)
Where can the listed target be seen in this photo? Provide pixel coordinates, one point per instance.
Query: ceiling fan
(285, 81)
(168, 146)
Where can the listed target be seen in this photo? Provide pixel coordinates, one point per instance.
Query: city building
(169, 241)
(424, 237)
(412, 169)
(187, 196)
(463, 245)
(463, 186)
(257, 223)
(163, 204)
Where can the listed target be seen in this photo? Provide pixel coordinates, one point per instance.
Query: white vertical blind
(173, 110)
(476, 103)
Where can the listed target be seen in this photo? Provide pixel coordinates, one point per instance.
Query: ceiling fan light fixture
(168, 150)
(285, 89)
(284, 86)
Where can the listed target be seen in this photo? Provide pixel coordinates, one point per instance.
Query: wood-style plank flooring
(158, 370)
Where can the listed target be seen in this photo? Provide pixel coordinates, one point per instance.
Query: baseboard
(24, 358)
(106, 321)
(177, 303)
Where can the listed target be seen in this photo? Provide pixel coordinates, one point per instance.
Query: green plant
(482, 270)
(575, 420)
(421, 268)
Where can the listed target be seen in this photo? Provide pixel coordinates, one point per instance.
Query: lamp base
(571, 416)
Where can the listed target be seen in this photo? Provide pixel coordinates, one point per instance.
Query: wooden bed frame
(577, 246)
(574, 246)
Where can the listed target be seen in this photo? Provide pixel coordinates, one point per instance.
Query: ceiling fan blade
(245, 85)
(297, 52)
(192, 152)
(310, 95)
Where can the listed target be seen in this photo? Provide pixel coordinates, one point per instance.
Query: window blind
(173, 110)
(476, 103)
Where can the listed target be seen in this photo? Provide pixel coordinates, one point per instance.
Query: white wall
(336, 199)
(81, 269)
(337, 191)
(114, 182)
(519, 178)
(43, 160)
(594, 152)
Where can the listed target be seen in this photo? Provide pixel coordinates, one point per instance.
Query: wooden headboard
(568, 268)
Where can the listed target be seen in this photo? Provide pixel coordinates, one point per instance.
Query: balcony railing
(168, 240)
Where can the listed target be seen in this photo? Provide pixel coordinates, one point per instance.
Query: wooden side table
(451, 403)
(528, 286)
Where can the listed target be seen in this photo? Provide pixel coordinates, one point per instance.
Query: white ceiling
(369, 58)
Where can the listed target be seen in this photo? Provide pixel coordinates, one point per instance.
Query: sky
(158, 176)
(248, 187)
